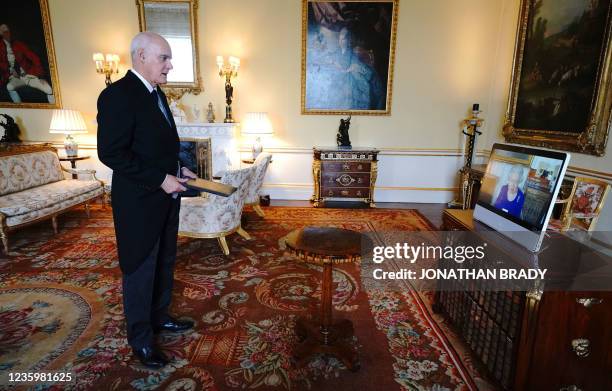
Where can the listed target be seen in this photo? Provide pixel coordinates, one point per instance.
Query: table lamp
(68, 122)
(256, 124)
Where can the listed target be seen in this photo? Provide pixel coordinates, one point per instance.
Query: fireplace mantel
(223, 142)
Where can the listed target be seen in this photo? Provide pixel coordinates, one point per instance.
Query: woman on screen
(511, 198)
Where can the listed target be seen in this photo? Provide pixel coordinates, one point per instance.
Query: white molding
(302, 191)
(405, 174)
(382, 151)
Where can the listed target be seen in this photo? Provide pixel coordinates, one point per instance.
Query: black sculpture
(229, 92)
(342, 138)
(11, 129)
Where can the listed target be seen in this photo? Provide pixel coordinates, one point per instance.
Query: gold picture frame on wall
(28, 75)
(177, 22)
(561, 92)
(348, 55)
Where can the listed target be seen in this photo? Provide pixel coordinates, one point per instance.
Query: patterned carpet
(60, 309)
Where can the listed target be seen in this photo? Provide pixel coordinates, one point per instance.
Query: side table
(73, 160)
(326, 246)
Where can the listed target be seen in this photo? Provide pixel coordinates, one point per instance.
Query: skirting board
(300, 192)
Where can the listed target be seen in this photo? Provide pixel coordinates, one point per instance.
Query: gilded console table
(344, 174)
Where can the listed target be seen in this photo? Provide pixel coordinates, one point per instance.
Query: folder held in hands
(216, 188)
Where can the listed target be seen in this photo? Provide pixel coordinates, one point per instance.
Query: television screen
(520, 186)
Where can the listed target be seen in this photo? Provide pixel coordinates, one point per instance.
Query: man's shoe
(174, 325)
(151, 357)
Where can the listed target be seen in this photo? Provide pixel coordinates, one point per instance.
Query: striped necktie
(160, 104)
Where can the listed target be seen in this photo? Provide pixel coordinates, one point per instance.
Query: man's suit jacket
(136, 141)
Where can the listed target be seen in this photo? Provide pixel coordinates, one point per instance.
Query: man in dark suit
(138, 140)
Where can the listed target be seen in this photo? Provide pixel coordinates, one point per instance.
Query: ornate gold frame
(567, 217)
(44, 14)
(592, 139)
(175, 91)
(387, 110)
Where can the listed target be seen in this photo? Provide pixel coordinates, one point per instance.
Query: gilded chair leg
(223, 244)
(87, 210)
(54, 223)
(4, 233)
(244, 233)
(259, 211)
(4, 237)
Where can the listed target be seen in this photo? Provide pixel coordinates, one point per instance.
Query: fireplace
(196, 155)
(208, 149)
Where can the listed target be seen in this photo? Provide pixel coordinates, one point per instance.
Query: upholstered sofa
(33, 187)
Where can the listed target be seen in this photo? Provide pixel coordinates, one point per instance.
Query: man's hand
(173, 184)
(188, 173)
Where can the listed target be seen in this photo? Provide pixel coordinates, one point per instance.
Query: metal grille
(489, 321)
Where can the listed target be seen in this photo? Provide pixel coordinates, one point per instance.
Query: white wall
(449, 54)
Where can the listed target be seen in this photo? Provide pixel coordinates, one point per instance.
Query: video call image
(520, 185)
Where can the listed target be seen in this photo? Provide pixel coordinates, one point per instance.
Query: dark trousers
(147, 291)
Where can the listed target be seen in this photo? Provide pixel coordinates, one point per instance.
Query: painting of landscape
(563, 51)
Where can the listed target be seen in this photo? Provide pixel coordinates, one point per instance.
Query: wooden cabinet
(341, 174)
(535, 340)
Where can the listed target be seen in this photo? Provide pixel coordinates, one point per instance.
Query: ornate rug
(61, 309)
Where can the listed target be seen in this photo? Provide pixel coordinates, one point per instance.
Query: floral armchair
(216, 216)
(261, 166)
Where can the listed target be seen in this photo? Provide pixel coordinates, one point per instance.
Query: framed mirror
(177, 22)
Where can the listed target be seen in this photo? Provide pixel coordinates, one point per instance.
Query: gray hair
(517, 169)
(142, 41)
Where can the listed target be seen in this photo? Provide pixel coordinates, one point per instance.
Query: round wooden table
(326, 246)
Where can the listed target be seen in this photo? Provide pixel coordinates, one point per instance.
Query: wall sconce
(228, 71)
(68, 122)
(106, 65)
(258, 125)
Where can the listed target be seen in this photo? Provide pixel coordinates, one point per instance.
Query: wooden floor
(432, 212)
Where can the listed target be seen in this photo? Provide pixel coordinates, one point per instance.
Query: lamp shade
(256, 124)
(67, 122)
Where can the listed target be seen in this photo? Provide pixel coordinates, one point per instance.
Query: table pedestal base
(334, 340)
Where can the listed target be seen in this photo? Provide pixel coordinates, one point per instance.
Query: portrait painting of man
(348, 50)
(28, 74)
